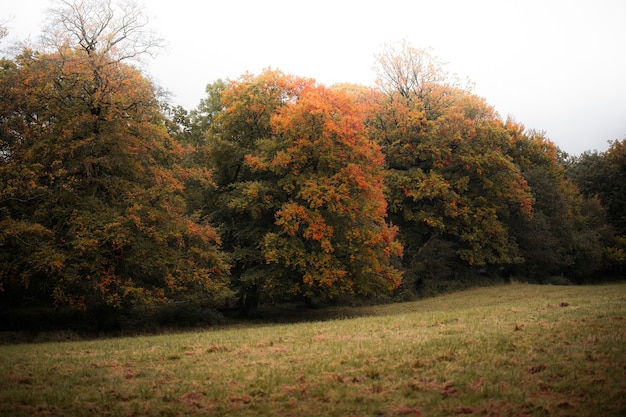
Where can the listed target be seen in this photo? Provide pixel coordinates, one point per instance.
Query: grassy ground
(512, 350)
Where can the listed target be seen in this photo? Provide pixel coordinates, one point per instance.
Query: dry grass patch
(509, 350)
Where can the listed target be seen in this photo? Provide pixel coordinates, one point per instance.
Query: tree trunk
(250, 302)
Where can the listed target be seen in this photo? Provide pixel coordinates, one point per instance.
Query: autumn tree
(91, 193)
(332, 237)
(450, 182)
(299, 196)
(226, 127)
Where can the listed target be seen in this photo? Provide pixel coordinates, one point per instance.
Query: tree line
(276, 188)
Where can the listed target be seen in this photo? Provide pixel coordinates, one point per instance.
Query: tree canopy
(299, 199)
(91, 187)
(275, 188)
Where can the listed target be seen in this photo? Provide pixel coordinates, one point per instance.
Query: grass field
(516, 350)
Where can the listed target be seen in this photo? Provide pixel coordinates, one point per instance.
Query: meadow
(511, 350)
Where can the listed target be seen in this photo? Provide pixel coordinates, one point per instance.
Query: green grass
(512, 350)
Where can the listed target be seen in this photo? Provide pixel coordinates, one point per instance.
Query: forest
(275, 188)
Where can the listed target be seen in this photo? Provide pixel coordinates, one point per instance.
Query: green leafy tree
(451, 184)
(228, 125)
(566, 234)
(602, 175)
(91, 185)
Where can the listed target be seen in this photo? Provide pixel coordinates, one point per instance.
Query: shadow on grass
(45, 325)
(49, 326)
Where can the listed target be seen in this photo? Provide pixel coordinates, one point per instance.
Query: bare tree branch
(3, 32)
(119, 31)
(417, 74)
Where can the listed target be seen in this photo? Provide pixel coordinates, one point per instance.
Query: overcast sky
(553, 65)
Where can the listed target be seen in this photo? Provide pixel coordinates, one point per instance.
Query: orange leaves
(204, 234)
(307, 145)
(325, 149)
(255, 162)
(356, 175)
(199, 175)
(524, 196)
(250, 102)
(295, 219)
(166, 180)
(290, 217)
(320, 231)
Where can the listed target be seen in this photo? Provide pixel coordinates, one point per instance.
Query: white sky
(557, 66)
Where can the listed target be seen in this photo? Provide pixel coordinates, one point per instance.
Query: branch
(119, 31)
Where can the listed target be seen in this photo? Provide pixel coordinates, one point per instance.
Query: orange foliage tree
(227, 126)
(333, 237)
(299, 193)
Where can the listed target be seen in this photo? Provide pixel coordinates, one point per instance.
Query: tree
(567, 232)
(255, 124)
(602, 175)
(332, 237)
(469, 189)
(118, 31)
(449, 178)
(410, 73)
(91, 206)
(227, 126)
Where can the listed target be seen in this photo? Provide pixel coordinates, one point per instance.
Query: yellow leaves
(251, 197)
(290, 217)
(419, 186)
(49, 261)
(616, 254)
(327, 277)
(434, 222)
